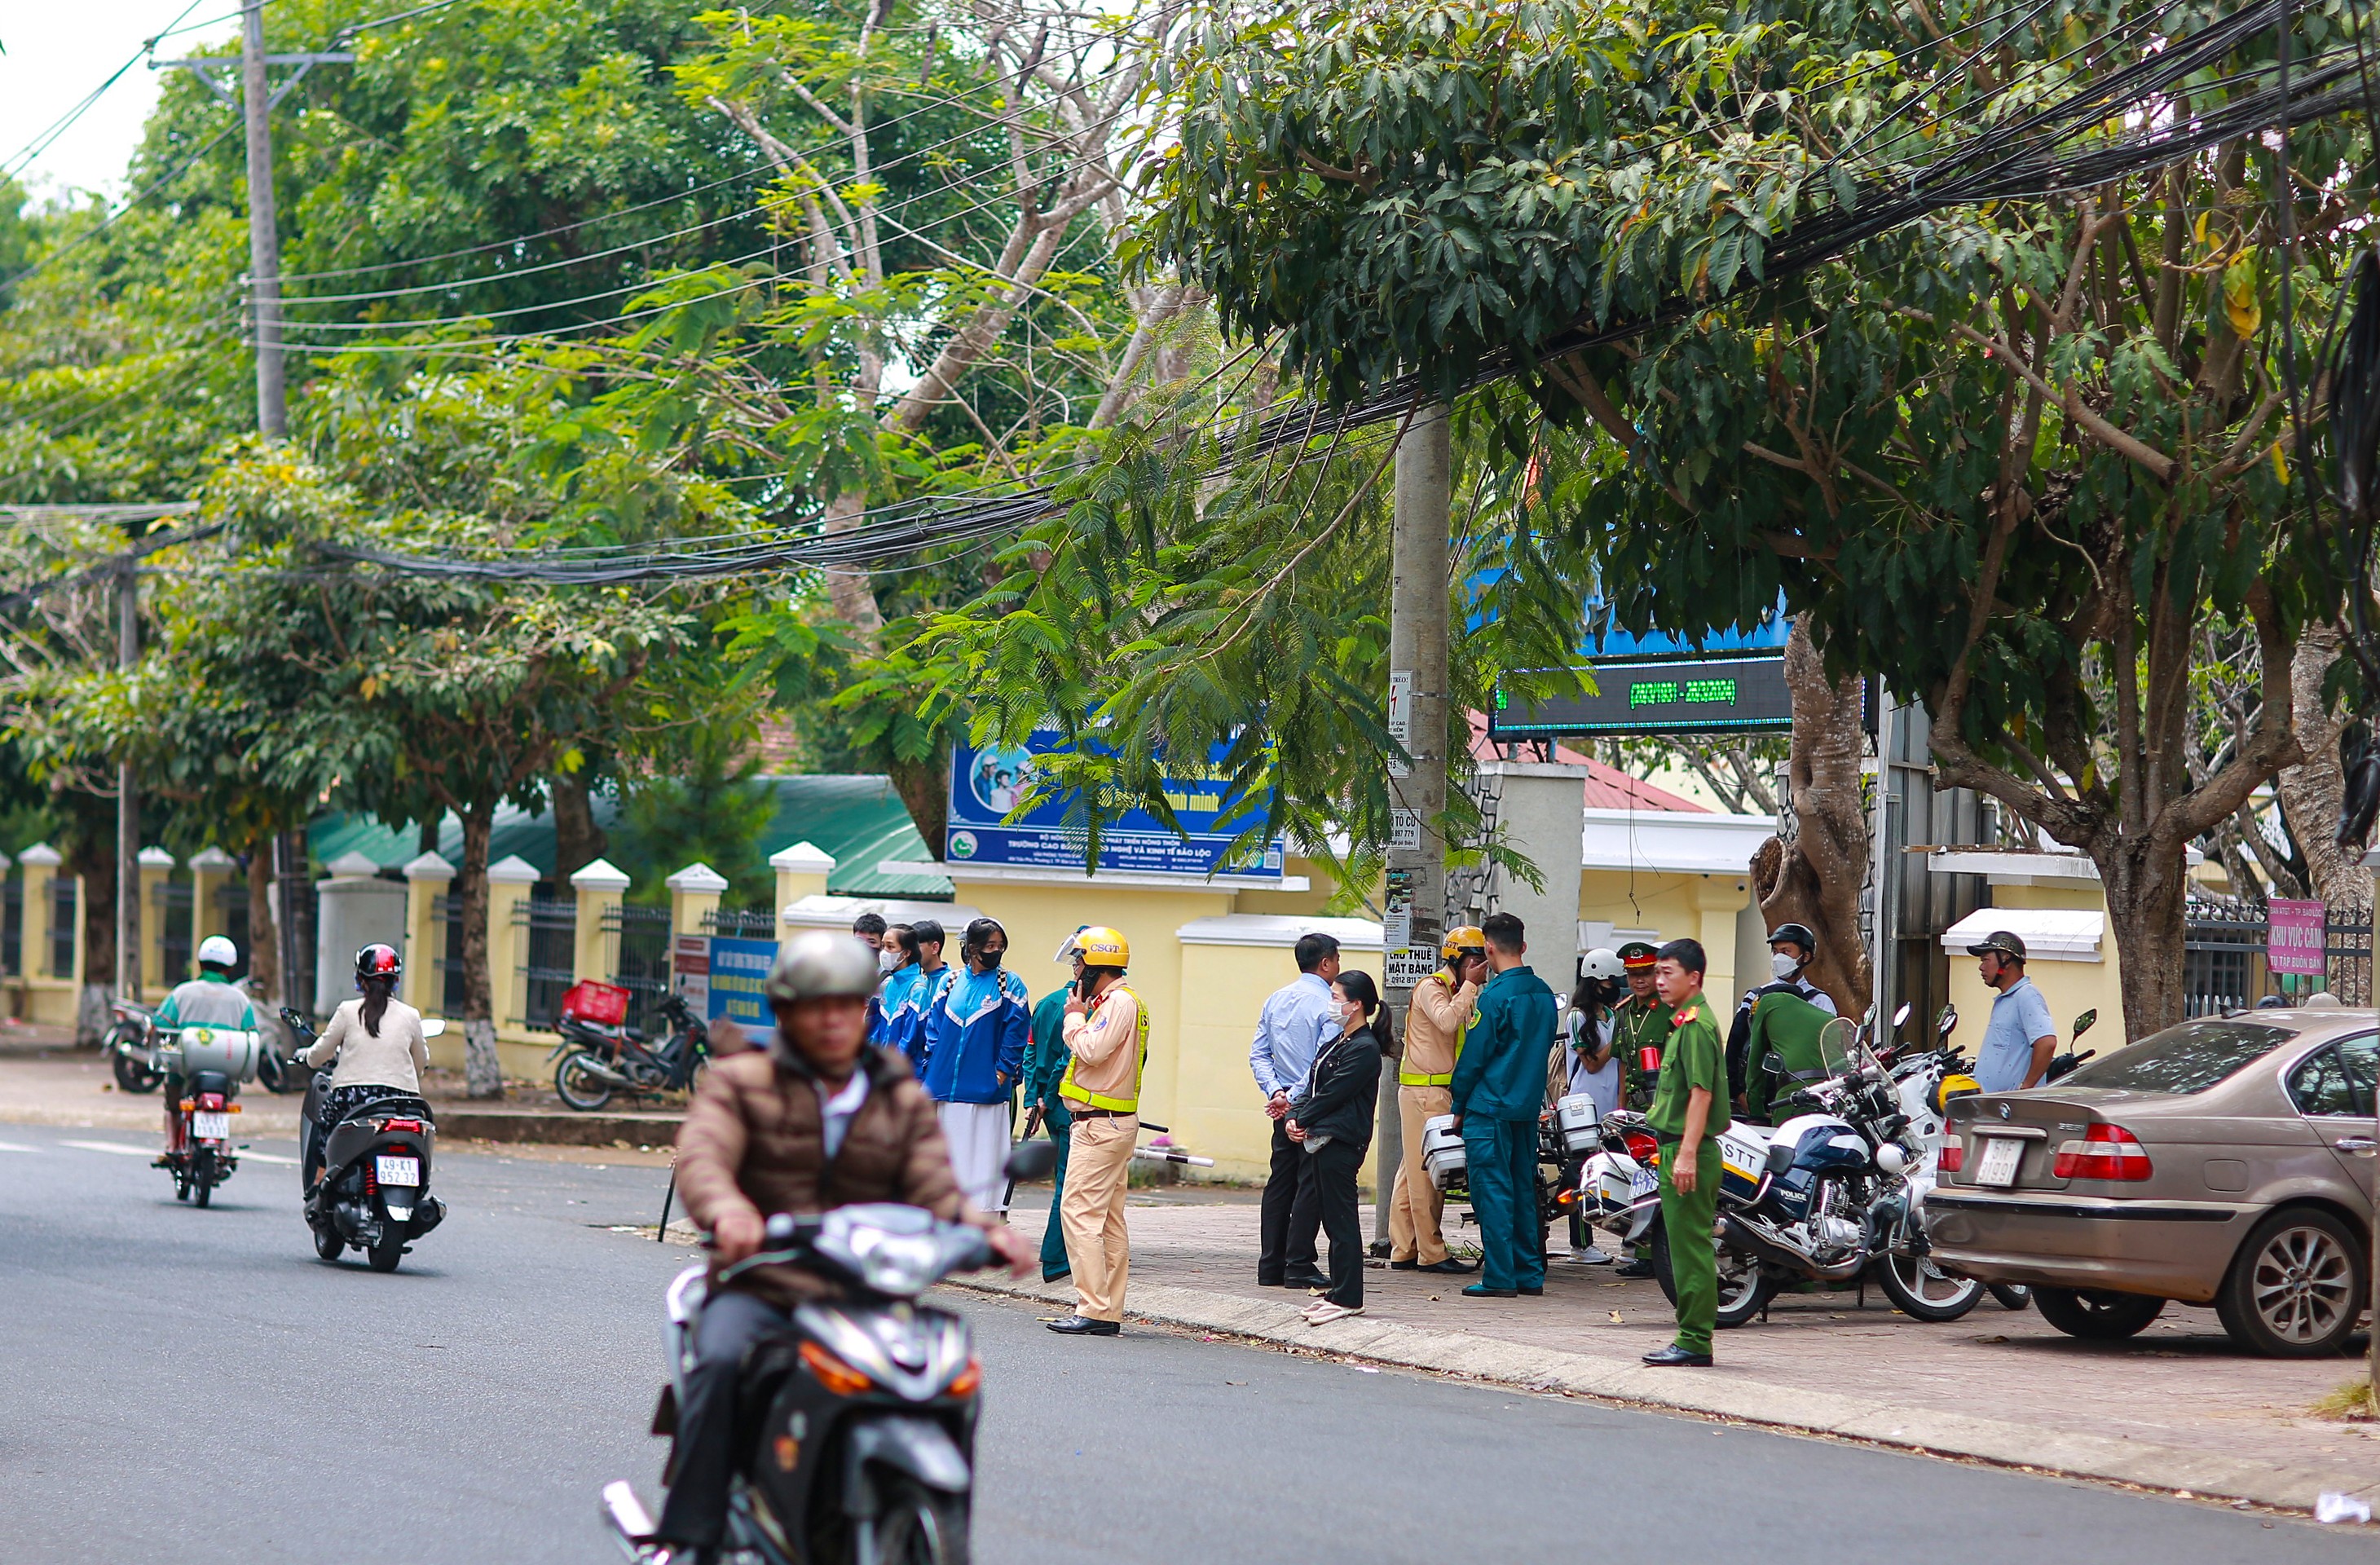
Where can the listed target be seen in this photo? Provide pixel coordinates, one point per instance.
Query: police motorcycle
(374, 1192)
(212, 1062)
(864, 1410)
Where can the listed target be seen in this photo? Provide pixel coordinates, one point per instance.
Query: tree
(2006, 453)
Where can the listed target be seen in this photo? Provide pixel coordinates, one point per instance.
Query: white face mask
(886, 958)
(1782, 965)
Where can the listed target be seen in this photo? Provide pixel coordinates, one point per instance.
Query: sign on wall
(987, 784)
(2295, 937)
(690, 971)
(739, 971)
(1684, 694)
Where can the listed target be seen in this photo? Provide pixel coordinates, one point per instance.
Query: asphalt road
(196, 1387)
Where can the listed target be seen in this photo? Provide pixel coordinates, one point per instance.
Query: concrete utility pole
(263, 230)
(128, 803)
(1415, 894)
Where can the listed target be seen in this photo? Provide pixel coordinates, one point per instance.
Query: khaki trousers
(1098, 1248)
(1415, 1204)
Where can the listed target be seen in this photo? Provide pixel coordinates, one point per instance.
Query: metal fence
(12, 928)
(447, 911)
(2223, 957)
(173, 901)
(741, 923)
(547, 940)
(640, 942)
(65, 911)
(231, 906)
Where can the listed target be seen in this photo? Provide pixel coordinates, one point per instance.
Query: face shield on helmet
(819, 965)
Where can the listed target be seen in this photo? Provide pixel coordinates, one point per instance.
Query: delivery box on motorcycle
(1581, 1121)
(226, 1049)
(1441, 1152)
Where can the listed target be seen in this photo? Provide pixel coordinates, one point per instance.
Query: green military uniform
(1637, 1025)
(1046, 1059)
(1695, 1058)
(1784, 1053)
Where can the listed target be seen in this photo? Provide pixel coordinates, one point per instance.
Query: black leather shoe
(1406, 1266)
(1635, 1269)
(1670, 1357)
(1538, 1291)
(1311, 1279)
(1083, 1325)
(1057, 1276)
(1452, 1268)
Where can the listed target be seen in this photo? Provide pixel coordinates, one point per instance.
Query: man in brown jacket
(815, 1120)
(1442, 1004)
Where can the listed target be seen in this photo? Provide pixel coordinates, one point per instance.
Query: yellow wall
(1702, 906)
(2071, 988)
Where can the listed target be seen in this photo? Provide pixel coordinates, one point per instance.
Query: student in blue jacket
(970, 1050)
(898, 1018)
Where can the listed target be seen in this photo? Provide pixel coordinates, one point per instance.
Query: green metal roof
(859, 819)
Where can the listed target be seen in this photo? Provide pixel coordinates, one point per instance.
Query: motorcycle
(131, 1046)
(373, 1193)
(2068, 1063)
(597, 1059)
(866, 1409)
(212, 1062)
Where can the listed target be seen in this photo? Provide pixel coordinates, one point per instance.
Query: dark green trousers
(1059, 1125)
(1689, 1217)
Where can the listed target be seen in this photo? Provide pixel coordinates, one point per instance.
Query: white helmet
(822, 964)
(1602, 964)
(216, 950)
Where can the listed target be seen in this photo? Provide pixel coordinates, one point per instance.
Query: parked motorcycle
(131, 1046)
(865, 1447)
(212, 1062)
(2068, 1063)
(374, 1194)
(599, 1058)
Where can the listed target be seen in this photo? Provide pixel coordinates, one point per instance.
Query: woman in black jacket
(1332, 1118)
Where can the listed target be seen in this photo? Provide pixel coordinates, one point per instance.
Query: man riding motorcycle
(207, 1000)
(816, 1120)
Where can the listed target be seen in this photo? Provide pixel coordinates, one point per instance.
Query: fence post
(426, 880)
(509, 879)
(156, 863)
(211, 867)
(802, 871)
(693, 897)
(41, 866)
(593, 953)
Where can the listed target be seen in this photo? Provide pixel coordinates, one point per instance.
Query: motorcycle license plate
(399, 1170)
(2001, 1155)
(1644, 1183)
(207, 1126)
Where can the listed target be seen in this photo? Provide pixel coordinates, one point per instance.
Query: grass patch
(2351, 1402)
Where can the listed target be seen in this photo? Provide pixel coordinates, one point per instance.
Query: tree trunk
(264, 989)
(483, 1075)
(1813, 877)
(2147, 885)
(2310, 794)
(578, 840)
(925, 788)
(93, 861)
(851, 593)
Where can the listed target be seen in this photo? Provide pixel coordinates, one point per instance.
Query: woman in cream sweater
(375, 1037)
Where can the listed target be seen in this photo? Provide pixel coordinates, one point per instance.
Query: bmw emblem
(2007, 1111)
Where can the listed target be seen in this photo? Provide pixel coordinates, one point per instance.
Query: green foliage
(710, 809)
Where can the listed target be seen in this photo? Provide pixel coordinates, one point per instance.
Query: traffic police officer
(1046, 1059)
(1640, 1021)
(1434, 1023)
(1108, 1030)
(1498, 1083)
(1689, 1110)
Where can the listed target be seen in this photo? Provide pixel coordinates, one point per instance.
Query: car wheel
(2296, 1287)
(2095, 1314)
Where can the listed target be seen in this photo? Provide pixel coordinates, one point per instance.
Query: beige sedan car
(2223, 1162)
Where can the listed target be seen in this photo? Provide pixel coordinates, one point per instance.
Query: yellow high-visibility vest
(1424, 1078)
(1073, 1092)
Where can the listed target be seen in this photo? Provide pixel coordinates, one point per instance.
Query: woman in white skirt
(971, 1048)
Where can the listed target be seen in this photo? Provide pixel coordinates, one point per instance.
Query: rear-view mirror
(2082, 1022)
(433, 1027)
(1900, 1017)
(1029, 1160)
(1949, 1021)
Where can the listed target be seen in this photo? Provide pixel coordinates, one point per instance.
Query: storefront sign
(690, 971)
(2296, 937)
(739, 972)
(988, 785)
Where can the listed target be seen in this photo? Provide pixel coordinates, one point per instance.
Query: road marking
(16, 1146)
(246, 1155)
(112, 1146)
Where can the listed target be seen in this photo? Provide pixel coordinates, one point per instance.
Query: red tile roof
(1608, 787)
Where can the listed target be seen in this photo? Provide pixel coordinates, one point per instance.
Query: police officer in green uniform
(1046, 1057)
(1783, 1055)
(1498, 1085)
(1640, 1021)
(1689, 1110)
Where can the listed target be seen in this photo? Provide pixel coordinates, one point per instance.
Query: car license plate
(2001, 1155)
(400, 1170)
(208, 1126)
(1641, 1183)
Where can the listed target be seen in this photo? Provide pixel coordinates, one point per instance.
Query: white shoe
(1590, 1256)
(1326, 1312)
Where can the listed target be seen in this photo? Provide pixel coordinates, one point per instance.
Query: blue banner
(739, 969)
(986, 786)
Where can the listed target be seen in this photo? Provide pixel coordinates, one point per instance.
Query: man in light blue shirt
(1290, 1030)
(2020, 1037)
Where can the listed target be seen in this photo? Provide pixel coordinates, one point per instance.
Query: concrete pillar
(694, 896)
(1541, 810)
(509, 879)
(802, 871)
(595, 952)
(157, 866)
(41, 866)
(211, 871)
(426, 880)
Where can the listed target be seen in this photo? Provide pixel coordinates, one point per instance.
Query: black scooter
(373, 1193)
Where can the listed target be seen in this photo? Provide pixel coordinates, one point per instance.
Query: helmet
(2000, 941)
(1796, 934)
(1100, 946)
(376, 961)
(1462, 938)
(824, 964)
(1637, 954)
(1602, 964)
(218, 951)
(1953, 1087)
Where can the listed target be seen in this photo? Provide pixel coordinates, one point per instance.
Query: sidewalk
(45, 1080)
(2178, 1408)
